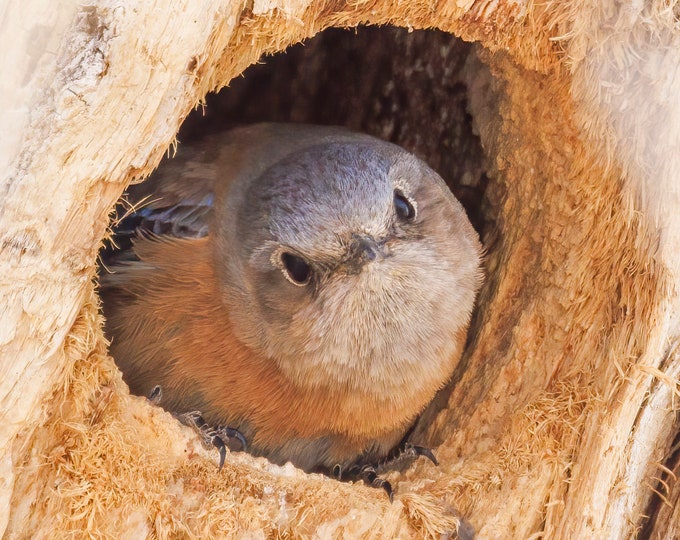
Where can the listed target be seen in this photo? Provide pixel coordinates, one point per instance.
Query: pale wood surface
(566, 412)
(85, 107)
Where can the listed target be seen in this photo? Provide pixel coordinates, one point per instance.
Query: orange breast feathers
(309, 286)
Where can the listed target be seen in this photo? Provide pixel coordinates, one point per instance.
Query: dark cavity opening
(406, 87)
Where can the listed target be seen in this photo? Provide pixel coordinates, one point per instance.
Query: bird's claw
(156, 395)
(415, 451)
(217, 436)
(367, 474)
(371, 474)
(370, 477)
(403, 456)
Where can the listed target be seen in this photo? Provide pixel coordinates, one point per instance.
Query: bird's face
(355, 265)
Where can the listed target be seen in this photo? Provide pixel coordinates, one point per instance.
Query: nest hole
(403, 86)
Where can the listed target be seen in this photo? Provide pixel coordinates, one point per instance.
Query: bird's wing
(177, 199)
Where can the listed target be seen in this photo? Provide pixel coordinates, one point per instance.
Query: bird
(310, 286)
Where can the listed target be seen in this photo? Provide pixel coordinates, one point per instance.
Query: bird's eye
(403, 207)
(296, 269)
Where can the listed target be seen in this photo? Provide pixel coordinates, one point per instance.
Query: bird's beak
(364, 249)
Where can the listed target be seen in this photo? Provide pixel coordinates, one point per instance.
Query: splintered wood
(561, 420)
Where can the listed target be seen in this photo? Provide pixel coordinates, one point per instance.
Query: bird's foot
(404, 455)
(221, 437)
(371, 474)
(368, 474)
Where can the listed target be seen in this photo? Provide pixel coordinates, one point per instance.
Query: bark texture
(561, 421)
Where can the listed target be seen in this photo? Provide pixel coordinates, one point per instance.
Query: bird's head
(351, 263)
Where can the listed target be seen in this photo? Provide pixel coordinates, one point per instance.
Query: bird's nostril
(365, 248)
(370, 252)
